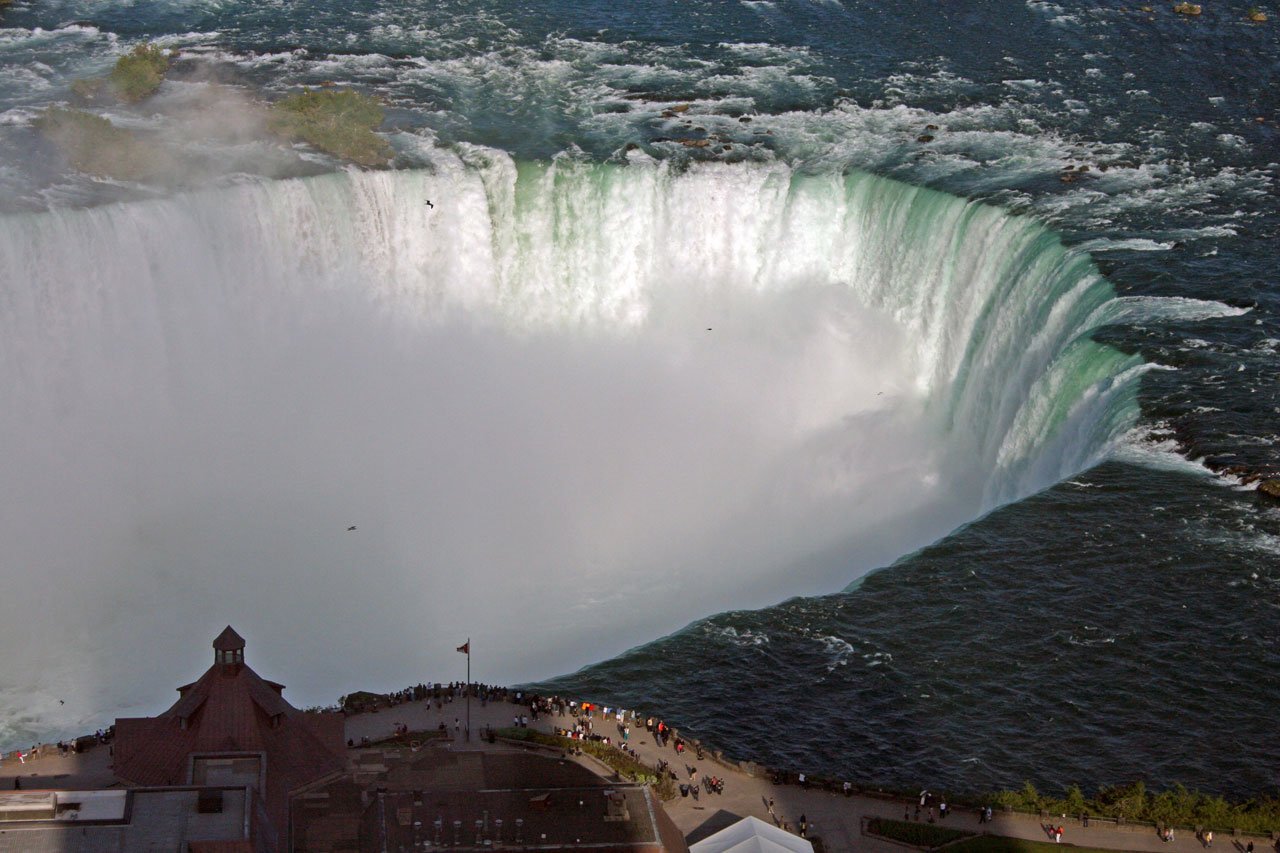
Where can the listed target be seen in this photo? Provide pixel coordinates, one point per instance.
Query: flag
(465, 648)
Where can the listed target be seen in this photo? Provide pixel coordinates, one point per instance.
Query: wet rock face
(1270, 488)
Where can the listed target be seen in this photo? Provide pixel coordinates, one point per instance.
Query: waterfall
(567, 406)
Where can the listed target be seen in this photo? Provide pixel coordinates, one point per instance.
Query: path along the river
(834, 817)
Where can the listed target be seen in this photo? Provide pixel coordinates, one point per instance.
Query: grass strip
(928, 835)
(619, 761)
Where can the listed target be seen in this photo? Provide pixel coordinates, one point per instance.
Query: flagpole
(468, 689)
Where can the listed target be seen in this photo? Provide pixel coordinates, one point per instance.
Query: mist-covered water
(549, 394)
(610, 382)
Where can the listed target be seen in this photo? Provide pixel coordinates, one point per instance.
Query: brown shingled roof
(232, 709)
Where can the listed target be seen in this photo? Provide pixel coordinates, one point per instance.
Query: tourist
(942, 810)
(1208, 838)
(1057, 834)
(848, 788)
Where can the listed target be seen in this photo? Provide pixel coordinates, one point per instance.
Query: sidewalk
(74, 771)
(834, 818)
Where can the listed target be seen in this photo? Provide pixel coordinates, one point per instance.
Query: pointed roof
(232, 709)
(228, 641)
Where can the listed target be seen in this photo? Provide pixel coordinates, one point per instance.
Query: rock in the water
(1256, 15)
(1270, 488)
(684, 108)
(930, 127)
(924, 137)
(1187, 8)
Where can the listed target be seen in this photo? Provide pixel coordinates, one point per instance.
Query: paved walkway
(75, 772)
(834, 818)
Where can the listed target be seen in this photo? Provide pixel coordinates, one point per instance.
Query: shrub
(916, 834)
(338, 122)
(1176, 806)
(96, 146)
(626, 766)
(404, 740)
(1000, 844)
(362, 700)
(137, 75)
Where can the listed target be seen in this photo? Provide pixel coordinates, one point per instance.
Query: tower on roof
(228, 648)
(233, 725)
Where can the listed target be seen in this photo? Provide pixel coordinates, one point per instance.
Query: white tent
(752, 835)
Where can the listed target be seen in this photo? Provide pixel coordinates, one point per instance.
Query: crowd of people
(62, 747)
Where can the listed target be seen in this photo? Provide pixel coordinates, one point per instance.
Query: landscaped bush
(407, 738)
(96, 146)
(1176, 806)
(339, 122)
(626, 766)
(137, 75)
(916, 834)
(1001, 844)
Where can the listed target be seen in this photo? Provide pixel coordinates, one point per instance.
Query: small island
(337, 121)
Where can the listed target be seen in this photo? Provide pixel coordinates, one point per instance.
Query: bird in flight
(351, 528)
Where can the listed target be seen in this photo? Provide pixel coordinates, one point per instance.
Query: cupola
(228, 648)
